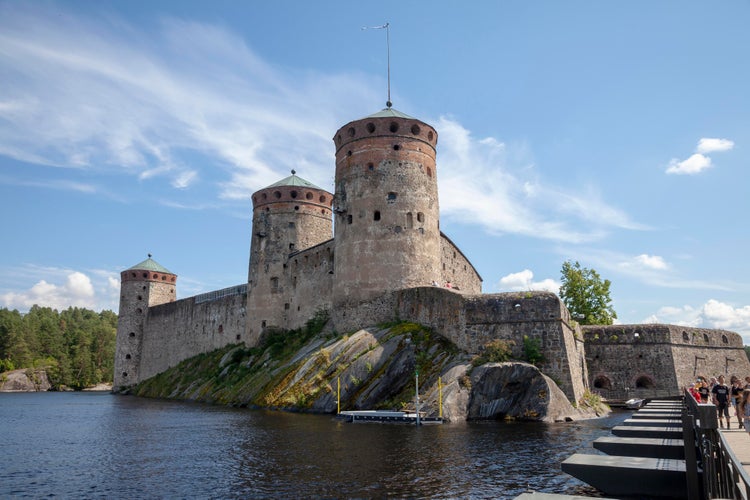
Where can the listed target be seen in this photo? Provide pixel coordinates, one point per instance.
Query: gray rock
(24, 380)
(517, 391)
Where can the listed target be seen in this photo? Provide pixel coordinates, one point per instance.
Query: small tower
(288, 216)
(387, 234)
(144, 285)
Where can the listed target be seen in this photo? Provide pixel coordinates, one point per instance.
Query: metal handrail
(713, 470)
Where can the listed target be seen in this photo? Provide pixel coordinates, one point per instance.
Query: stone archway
(645, 382)
(602, 382)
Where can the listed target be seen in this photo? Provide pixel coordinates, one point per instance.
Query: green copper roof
(293, 180)
(151, 265)
(390, 113)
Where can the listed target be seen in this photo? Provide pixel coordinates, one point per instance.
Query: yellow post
(338, 395)
(440, 397)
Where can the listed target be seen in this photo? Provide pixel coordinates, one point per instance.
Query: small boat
(635, 403)
(385, 416)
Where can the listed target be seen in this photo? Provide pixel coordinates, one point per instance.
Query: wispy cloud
(487, 183)
(698, 161)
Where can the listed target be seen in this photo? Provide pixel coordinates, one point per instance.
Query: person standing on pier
(736, 390)
(720, 396)
(744, 408)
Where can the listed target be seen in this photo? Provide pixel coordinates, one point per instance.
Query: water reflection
(99, 445)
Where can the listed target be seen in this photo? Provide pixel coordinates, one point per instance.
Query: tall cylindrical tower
(288, 216)
(387, 234)
(144, 285)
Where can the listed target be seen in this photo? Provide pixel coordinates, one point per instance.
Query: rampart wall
(659, 359)
(179, 330)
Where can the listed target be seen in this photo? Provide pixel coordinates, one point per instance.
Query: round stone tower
(288, 216)
(387, 234)
(144, 285)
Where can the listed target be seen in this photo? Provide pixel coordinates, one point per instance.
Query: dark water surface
(97, 445)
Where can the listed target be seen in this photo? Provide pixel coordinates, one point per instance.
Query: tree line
(75, 346)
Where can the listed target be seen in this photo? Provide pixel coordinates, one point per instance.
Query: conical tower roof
(150, 265)
(390, 113)
(294, 180)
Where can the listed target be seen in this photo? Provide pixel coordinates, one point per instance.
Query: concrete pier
(641, 447)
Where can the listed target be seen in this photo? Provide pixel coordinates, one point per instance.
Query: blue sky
(614, 134)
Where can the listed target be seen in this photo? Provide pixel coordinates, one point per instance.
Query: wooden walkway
(739, 442)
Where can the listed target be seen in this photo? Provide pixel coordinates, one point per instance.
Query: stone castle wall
(457, 269)
(659, 359)
(179, 330)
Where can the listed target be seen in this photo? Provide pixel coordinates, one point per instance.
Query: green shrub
(532, 351)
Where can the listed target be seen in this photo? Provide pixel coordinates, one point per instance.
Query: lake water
(97, 445)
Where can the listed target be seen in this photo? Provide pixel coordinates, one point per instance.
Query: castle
(373, 252)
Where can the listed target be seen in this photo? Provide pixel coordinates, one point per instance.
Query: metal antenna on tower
(387, 28)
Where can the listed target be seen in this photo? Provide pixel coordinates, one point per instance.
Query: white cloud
(698, 161)
(712, 314)
(524, 281)
(61, 288)
(645, 261)
(693, 165)
(488, 183)
(709, 145)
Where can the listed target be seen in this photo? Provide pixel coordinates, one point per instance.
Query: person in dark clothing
(703, 391)
(720, 395)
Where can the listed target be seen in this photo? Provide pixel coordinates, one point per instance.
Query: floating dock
(385, 416)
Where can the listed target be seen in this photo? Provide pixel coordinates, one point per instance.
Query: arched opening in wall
(140, 298)
(145, 275)
(602, 382)
(724, 339)
(376, 215)
(127, 356)
(221, 328)
(705, 338)
(308, 196)
(420, 217)
(351, 131)
(274, 284)
(263, 324)
(277, 194)
(349, 219)
(645, 382)
(291, 247)
(394, 127)
(370, 127)
(430, 136)
(685, 336)
(293, 194)
(409, 220)
(237, 337)
(415, 129)
(322, 199)
(392, 197)
(264, 196)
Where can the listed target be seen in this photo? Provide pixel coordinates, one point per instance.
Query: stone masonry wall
(457, 269)
(659, 359)
(182, 329)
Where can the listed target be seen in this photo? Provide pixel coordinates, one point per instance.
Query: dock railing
(713, 471)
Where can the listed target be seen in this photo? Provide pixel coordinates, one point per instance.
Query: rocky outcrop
(24, 380)
(517, 391)
(369, 369)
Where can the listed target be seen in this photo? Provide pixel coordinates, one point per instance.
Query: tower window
(415, 129)
(291, 246)
(429, 136)
(351, 131)
(349, 153)
(396, 147)
(371, 127)
(277, 194)
(370, 167)
(291, 224)
(392, 196)
(349, 219)
(293, 194)
(376, 216)
(127, 356)
(420, 217)
(274, 284)
(296, 207)
(394, 127)
(263, 324)
(286, 306)
(322, 199)
(309, 196)
(409, 220)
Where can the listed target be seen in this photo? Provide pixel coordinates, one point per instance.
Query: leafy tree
(586, 295)
(75, 346)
